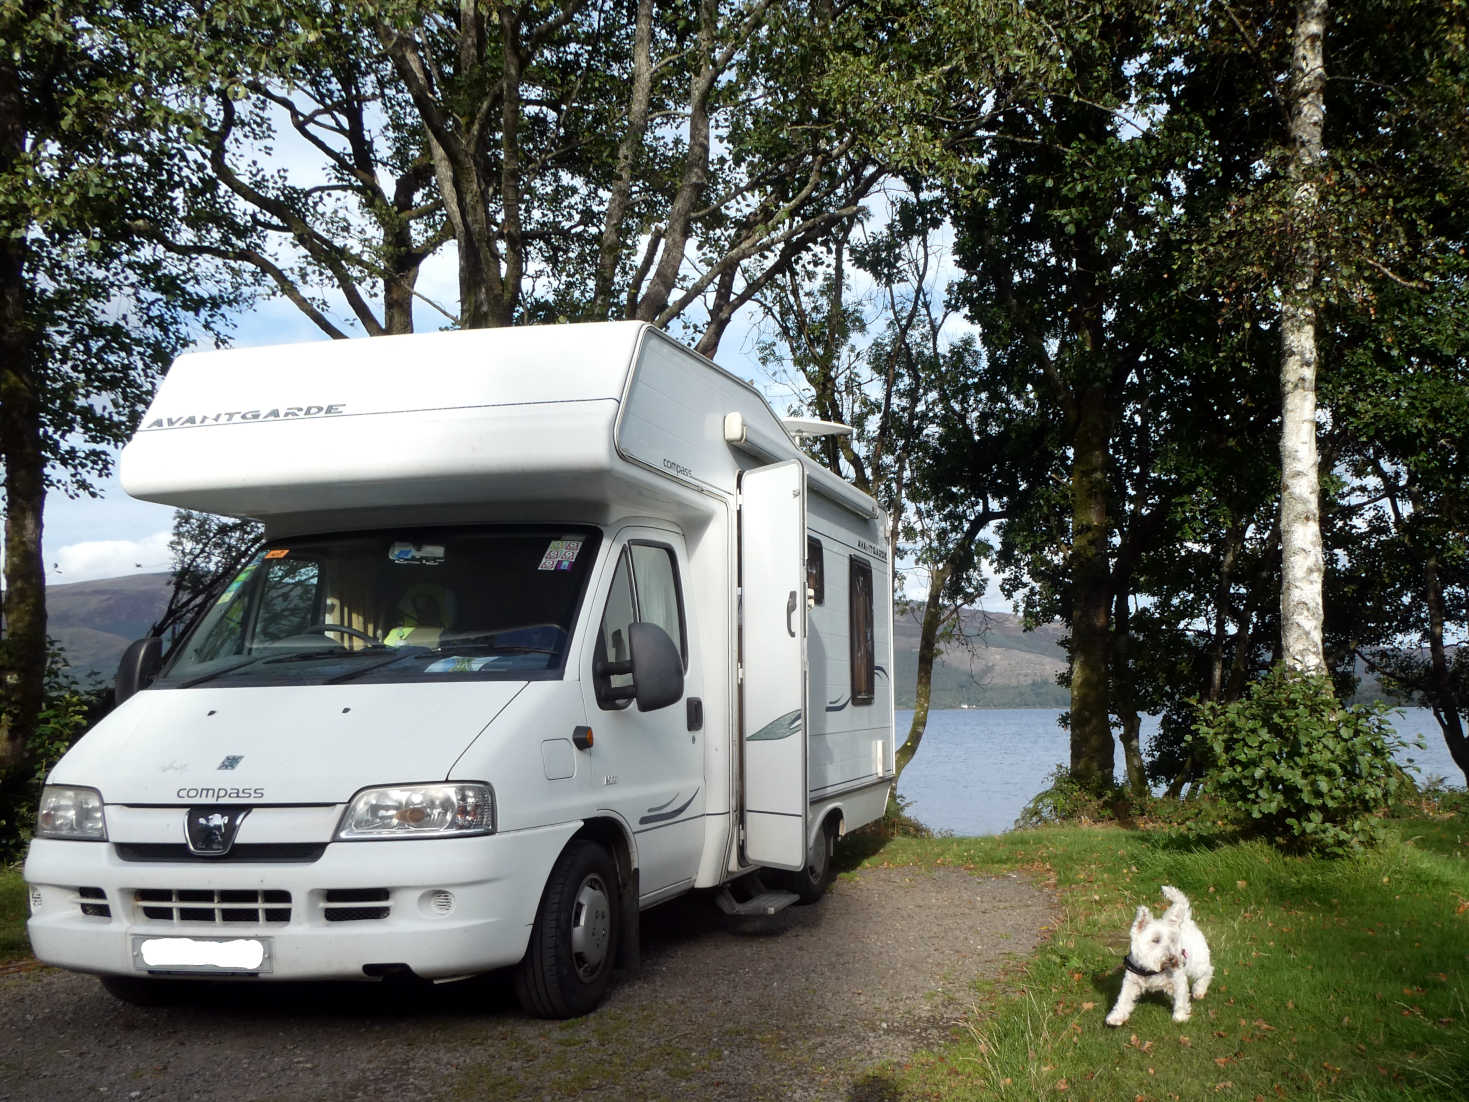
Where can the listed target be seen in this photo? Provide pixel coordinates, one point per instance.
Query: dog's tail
(1179, 900)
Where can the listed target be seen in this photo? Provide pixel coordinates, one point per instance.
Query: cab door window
(645, 588)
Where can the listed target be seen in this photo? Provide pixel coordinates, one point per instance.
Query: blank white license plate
(201, 954)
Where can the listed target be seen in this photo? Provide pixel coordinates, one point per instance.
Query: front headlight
(419, 811)
(66, 811)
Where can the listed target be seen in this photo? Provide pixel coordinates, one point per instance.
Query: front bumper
(359, 905)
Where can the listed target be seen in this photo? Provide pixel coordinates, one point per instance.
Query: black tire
(568, 964)
(811, 882)
(146, 990)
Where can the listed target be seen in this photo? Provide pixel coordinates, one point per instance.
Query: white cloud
(80, 562)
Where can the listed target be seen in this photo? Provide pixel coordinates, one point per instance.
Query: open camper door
(774, 802)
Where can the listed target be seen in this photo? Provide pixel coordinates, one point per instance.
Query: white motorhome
(551, 624)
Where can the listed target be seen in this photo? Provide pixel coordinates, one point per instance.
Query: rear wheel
(568, 964)
(811, 881)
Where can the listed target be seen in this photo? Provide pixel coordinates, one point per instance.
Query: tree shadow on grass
(1189, 838)
(876, 1086)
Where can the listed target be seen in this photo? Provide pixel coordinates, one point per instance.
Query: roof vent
(809, 426)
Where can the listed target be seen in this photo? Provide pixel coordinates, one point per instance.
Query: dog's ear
(1144, 916)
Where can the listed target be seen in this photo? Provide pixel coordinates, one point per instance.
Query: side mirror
(139, 666)
(657, 667)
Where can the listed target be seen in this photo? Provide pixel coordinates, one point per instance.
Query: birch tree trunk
(1301, 613)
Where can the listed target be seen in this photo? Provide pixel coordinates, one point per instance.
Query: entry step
(762, 903)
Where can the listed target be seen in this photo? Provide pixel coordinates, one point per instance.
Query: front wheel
(568, 965)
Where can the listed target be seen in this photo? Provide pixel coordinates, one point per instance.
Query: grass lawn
(13, 910)
(1333, 979)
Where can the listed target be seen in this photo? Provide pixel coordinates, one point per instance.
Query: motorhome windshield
(393, 605)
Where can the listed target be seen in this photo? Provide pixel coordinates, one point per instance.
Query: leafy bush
(897, 822)
(1067, 800)
(1297, 767)
(67, 710)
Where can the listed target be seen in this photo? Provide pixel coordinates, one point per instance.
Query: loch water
(977, 768)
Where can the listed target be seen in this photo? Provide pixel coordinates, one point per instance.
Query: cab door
(649, 765)
(773, 713)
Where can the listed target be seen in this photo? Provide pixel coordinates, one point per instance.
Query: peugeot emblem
(211, 830)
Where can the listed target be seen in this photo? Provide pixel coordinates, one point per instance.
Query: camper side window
(860, 620)
(645, 588)
(815, 572)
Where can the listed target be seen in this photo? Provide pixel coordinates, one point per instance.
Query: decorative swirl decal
(779, 728)
(664, 816)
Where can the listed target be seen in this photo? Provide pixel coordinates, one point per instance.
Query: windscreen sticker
(560, 555)
(424, 554)
(461, 664)
(277, 553)
(240, 579)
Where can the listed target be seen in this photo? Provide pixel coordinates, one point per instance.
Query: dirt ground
(805, 1005)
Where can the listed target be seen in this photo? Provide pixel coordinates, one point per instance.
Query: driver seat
(425, 611)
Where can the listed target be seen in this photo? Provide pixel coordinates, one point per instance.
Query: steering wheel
(343, 629)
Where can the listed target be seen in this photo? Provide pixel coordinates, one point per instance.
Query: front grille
(349, 904)
(94, 902)
(166, 852)
(212, 905)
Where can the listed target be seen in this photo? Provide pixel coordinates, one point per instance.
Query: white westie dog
(1168, 953)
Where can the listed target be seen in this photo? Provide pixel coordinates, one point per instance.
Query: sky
(113, 534)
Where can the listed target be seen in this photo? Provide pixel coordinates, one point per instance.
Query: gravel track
(805, 1005)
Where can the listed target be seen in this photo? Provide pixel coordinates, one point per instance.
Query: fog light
(439, 902)
(37, 899)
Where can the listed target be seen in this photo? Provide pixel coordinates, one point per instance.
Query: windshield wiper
(272, 659)
(416, 652)
(307, 655)
(211, 675)
(486, 640)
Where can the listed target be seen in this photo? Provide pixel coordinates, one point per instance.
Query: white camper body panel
(612, 431)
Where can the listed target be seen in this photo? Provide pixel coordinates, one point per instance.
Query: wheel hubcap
(591, 927)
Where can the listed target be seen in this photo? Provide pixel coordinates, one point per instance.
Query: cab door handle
(790, 614)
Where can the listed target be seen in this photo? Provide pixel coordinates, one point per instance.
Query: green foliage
(68, 709)
(1297, 767)
(13, 909)
(896, 822)
(1068, 800)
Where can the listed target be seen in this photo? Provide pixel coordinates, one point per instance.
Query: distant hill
(95, 621)
(1003, 666)
(1000, 665)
